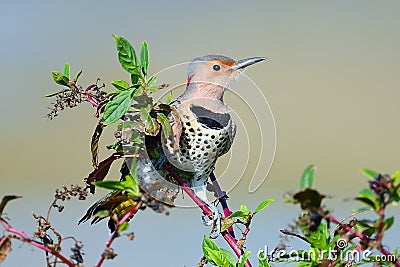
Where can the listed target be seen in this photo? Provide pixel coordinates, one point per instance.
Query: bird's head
(209, 76)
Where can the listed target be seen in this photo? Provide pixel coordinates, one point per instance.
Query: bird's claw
(215, 221)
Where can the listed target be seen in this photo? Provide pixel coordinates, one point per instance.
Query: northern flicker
(207, 127)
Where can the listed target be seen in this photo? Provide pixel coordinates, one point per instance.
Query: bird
(207, 131)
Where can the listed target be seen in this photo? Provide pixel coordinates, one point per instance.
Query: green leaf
(131, 186)
(5, 200)
(117, 107)
(67, 70)
(120, 85)
(208, 245)
(367, 196)
(134, 78)
(307, 179)
(123, 226)
(262, 259)
(166, 126)
(226, 223)
(388, 223)
(169, 98)
(218, 258)
(229, 256)
(144, 57)
(370, 173)
(263, 205)
(126, 55)
(243, 259)
(60, 78)
(395, 177)
(56, 93)
(78, 75)
(151, 81)
(111, 185)
(238, 213)
(319, 238)
(244, 209)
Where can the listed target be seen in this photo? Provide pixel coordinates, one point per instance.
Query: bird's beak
(243, 63)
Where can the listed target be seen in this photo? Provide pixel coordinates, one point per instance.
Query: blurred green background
(332, 80)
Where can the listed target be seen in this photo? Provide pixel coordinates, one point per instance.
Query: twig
(285, 232)
(130, 213)
(365, 239)
(207, 211)
(28, 240)
(222, 199)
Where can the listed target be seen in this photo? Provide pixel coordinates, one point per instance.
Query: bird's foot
(215, 221)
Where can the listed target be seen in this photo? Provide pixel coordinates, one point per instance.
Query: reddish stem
(28, 240)
(90, 98)
(364, 239)
(229, 239)
(130, 213)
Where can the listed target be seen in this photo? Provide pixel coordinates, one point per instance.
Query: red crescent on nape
(188, 81)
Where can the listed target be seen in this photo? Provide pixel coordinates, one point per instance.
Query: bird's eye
(216, 67)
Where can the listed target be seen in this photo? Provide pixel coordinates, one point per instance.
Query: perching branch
(28, 240)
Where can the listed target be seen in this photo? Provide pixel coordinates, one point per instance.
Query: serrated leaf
(307, 179)
(117, 107)
(263, 205)
(67, 70)
(144, 57)
(166, 126)
(370, 173)
(60, 78)
(126, 55)
(120, 84)
(5, 200)
(123, 226)
(243, 259)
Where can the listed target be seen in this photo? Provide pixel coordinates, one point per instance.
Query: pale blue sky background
(332, 80)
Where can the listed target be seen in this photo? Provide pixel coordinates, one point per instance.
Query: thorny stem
(364, 239)
(207, 211)
(222, 200)
(28, 240)
(130, 213)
